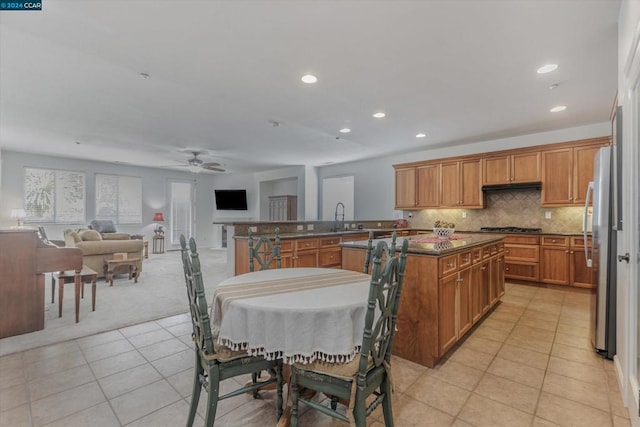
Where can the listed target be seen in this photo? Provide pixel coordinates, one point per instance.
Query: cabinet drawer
(555, 241)
(522, 240)
(448, 264)
(522, 271)
(486, 252)
(578, 242)
(476, 255)
(330, 257)
(286, 245)
(304, 244)
(464, 259)
(522, 253)
(330, 241)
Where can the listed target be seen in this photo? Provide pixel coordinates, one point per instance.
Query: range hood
(508, 187)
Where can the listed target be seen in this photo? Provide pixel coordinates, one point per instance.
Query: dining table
(299, 315)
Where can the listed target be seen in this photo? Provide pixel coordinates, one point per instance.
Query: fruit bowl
(443, 233)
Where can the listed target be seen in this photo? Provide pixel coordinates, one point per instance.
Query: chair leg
(334, 403)
(195, 392)
(212, 399)
(254, 379)
(294, 399)
(279, 401)
(360, 410)
(386, 403)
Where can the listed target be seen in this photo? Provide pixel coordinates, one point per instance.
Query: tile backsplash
(519, 208)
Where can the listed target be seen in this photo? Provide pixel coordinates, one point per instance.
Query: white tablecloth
(323, 322)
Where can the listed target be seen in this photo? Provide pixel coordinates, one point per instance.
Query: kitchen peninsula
(449, 285)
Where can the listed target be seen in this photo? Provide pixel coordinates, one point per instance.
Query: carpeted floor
(160, 292)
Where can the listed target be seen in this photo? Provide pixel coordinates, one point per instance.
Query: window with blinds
(119, 198)
(55, 196)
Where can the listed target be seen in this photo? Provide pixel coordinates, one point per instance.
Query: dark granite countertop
(312, 233)
(461, 242)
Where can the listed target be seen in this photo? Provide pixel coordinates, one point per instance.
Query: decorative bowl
(443, 233)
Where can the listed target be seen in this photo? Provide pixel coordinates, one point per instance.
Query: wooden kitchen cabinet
(554, 258)
(511, 168)
(460, 184)
(454, 299)
(305, 253)
(522, 257)
(283, 208)
(330, 252)
(428, 186)
(566, 173)
(496, 288)
(406, 188)
(580, 275)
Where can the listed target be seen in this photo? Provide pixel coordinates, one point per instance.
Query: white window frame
(56, 193)
(123, 181)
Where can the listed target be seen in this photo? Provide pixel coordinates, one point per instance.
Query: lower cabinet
(554, 257)
(455, 317)
(580, 275)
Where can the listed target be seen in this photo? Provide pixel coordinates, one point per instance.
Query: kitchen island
(449, 286)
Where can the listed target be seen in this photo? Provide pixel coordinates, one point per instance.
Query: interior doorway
(181, 220)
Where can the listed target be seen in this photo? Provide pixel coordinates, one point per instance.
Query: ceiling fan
(195, 164)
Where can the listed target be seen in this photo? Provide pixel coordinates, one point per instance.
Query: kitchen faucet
(338, 225)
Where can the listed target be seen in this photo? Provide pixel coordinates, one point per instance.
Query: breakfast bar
(449, 286)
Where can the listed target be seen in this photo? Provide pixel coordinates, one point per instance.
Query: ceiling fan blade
(212, 167)
(207, 164)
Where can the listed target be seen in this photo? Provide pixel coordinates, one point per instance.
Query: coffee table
(111, 264)
(87, 275)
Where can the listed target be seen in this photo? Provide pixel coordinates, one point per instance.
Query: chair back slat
(369, 252)
(382, 308)
(202, 335)
(264, 252)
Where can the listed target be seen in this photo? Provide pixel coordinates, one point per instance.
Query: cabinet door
(470, 187)
(476, 292)
(485, 279)
(522, 270)
(525, 167)
(405, 188)
(330, 258)
(581, 275)
(582, 171)
(495, 170)
(465, 317)
(493, 280)
(499, 289)
(449, 185)
(554, 265)
(306, 259)
(557, 169)
(447, 335)
(428, 185)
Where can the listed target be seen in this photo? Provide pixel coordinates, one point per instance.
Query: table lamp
(18, 215)
(157, 217)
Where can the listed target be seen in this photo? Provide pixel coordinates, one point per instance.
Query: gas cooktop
(511, 230)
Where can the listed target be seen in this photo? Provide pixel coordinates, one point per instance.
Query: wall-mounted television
(231, 200)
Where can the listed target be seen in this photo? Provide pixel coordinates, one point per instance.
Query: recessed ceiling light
(309, 78)
(421, 135)
(558, 108)
(547, 68)
(345, 130)
(379, 115)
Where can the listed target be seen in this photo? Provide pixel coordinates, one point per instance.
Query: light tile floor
(528, 364)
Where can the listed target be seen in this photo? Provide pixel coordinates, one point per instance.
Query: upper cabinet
(406, 188)
(566, 173)
(564, 169)
(511, 168)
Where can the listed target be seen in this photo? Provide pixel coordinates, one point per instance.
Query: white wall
(628, 274)
(154, 191)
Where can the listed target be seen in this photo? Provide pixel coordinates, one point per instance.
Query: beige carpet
(160, 292)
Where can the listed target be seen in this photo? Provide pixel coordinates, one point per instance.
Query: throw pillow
(103, 226)
(76, 237)
(90, 235)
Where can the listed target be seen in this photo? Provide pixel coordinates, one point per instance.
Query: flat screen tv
(231, 200)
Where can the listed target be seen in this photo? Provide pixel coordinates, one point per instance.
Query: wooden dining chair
(264, 252)
(369, 373)
(215, 363)
(369, 252)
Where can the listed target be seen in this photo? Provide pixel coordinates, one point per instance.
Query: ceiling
(224, 76)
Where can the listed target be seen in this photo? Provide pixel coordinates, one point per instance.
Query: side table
(111, 264)
(158, 244)
(145, 243)
(87, 275)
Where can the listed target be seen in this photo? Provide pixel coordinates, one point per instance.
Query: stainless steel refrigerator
(602, 256)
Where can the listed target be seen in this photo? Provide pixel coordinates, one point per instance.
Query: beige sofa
(96, 249)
